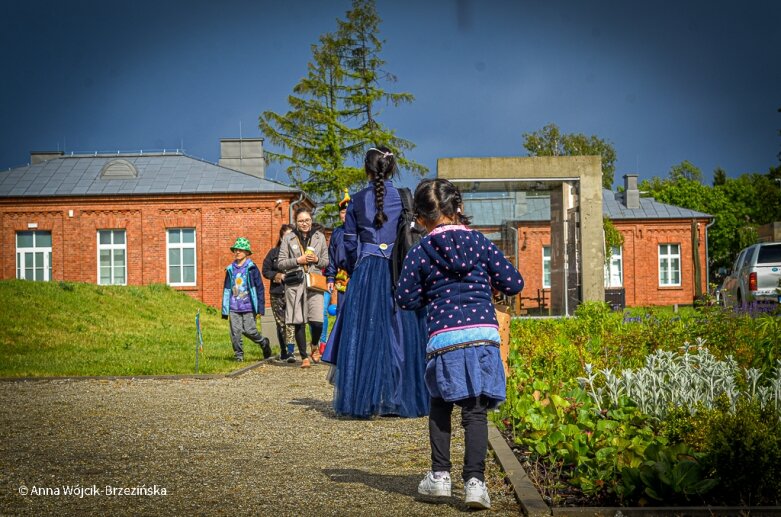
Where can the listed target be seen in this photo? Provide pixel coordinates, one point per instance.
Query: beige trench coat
(302, 305)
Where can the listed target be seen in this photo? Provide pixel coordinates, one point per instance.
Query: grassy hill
(64, 328)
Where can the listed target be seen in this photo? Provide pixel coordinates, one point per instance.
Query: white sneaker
(439, 487)
(476, 494)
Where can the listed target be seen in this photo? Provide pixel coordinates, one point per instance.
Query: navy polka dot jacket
(451, 272)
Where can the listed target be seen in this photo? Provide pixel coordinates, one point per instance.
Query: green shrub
(670, 475)
(744, 451)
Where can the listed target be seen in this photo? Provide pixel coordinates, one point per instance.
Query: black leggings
(474, 413)
(315, 328)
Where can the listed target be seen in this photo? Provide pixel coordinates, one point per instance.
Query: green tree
(719, 176)
(685, 170)
(360, 47)
(549, 141)
(315, 141)
(334, 112)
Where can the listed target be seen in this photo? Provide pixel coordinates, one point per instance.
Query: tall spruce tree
(312, 131)
(334, 111)
(360, 48)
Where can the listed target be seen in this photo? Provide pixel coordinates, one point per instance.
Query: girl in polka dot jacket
(453, 272)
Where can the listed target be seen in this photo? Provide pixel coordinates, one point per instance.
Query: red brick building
(662, 260)
(134, 219)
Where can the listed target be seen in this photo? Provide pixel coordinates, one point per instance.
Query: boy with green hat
(243, 298)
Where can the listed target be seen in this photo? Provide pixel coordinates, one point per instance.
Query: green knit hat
(242, 243)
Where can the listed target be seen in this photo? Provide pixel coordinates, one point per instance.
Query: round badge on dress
(383, 246)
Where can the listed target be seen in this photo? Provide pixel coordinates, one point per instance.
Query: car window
(738, 261)
(748, 257)
(770, 254)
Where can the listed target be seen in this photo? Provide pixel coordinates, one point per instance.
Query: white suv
(755, 275)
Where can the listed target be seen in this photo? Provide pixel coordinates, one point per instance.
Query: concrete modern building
(139, 218)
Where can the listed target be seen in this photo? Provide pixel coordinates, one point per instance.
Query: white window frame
(615, 269)
(29, 253)
(546, 263)
(181, 246)
(111, 248)
(667, 268)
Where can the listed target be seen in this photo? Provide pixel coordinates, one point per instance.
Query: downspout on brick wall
(301, 197)
(707, 256)
(696, 259)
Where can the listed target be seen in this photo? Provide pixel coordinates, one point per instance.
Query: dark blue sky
(664, 81)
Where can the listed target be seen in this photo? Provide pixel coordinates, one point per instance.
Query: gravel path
(264, 443)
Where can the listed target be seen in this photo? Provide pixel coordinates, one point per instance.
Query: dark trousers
(315, 328)
(474, 420)
(278, 309)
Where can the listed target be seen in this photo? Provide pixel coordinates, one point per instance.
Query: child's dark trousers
(474, 420)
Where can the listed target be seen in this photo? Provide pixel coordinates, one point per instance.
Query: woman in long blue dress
(379, 349)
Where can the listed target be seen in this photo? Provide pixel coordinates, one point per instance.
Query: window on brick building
(112, 250)
(614, 271)
(34, 256)
(546, 267)
(669, 265)
(181, 256)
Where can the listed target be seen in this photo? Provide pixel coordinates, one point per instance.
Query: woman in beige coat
(303, 306)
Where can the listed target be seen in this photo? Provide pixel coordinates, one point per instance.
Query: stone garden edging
(525, 491)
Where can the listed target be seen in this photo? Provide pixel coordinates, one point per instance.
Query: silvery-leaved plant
(691, 378)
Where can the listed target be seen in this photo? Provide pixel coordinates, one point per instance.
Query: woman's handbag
(317, 283)
(294, 276)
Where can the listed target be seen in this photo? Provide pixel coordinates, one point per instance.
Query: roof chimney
(631, 194)
(43, 156)
(243, 154)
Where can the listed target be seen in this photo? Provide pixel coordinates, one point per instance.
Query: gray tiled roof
(157, 174)
(614, 209)
(490, 211)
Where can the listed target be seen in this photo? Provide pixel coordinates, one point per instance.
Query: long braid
(380, 166)
(379, 200)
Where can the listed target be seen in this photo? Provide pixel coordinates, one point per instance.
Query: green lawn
(64, 328)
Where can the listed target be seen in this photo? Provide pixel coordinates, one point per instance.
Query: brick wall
(217, 219)
(640, 261)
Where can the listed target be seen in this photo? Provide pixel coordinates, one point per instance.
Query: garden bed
(525, 475)
(654, 419)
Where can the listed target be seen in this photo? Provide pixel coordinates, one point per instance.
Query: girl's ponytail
(463, 219)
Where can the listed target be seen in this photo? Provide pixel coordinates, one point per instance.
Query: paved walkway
(264, 443)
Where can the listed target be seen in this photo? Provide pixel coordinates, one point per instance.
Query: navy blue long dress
(377, 348)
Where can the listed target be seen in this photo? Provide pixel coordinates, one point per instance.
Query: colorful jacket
(451, 272)
(257, 293)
